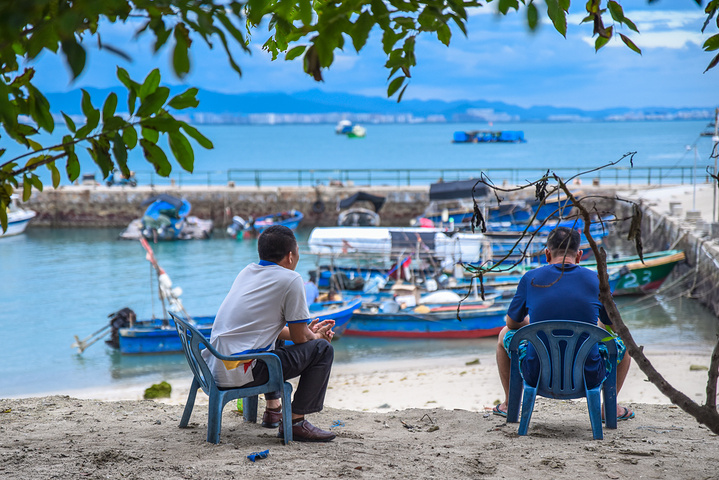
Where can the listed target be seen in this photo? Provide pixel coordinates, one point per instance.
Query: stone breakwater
(101, 206)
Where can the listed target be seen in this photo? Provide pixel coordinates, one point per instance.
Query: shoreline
(467, 382)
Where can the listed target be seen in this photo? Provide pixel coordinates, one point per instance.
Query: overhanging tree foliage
(297, 28)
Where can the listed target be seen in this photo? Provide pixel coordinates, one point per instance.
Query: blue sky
(500, 60)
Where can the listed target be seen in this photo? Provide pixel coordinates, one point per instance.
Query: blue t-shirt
(312, 292)
(560, 292)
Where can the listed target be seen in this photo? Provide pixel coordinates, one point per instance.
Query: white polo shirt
(263, 298)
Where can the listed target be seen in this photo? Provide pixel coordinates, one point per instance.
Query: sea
(62, 283)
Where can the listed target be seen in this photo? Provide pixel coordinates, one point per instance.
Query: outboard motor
(121, 319)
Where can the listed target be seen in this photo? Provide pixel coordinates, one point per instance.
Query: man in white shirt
(266, 304)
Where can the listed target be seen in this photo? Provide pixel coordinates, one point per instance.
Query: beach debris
(639, 453)
(6, 410)
(258, 455)
(472, 362)
(158, 390)
(433, 428)
(428, 418)
(337, 423)
(385, 405)
(698, 367)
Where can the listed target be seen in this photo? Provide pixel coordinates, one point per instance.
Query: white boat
(17, 218)
(385, 243)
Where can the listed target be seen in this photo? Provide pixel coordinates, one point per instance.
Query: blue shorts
(621, 349)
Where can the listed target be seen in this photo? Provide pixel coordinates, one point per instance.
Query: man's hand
(322, 329)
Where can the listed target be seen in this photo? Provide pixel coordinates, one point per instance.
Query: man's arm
(513, 325)
(301, 332)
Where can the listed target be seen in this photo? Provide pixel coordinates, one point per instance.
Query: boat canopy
(457, 190)
(375, 200)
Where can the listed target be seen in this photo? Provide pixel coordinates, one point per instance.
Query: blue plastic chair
(561, 373)
(192, 342)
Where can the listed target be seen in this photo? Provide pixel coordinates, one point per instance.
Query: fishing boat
(17, 218)
(489, 136)
(346, 127)
(352, 216)
(629, 276)
(241, 228)
(167, 218)
(430, 320)
(158, 335)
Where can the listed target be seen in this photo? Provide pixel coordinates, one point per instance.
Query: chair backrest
(562, 348)
(191, 339)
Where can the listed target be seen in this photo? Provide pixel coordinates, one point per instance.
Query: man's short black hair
(275, 243)
(563, 239)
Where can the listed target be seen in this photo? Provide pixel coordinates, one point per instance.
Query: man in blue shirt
(560, 290)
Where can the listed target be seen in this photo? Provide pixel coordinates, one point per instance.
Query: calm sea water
(64, 282)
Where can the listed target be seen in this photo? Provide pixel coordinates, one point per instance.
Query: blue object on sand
(258, 455)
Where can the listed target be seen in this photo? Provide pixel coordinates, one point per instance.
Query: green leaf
(152, 103)
(3, 216)
(616, 11)
(401, 93)
(36, 182)
(631, 25)
(532, 16)
(713, 63)
(129, 135)
(108, 110)
(156, 157)
(711, 43)
(120, 153)
(394, 85)
(187, 99)
(295, 52)
(558, 16)
(600, 42)
(505, 5)
(182, 150)
(444, 34)
(100, 153)
(197, 136)
(131, 100)
(180, 57)
(40, 109)
(68, 122)
(91, 113)
(361, 29)
(124, 77)
(26, 188)
(152, 81)
(74, 56)
(150, 134)
(73, 165)
(630, 44)
(55, 174)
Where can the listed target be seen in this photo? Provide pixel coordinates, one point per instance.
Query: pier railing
(618, 175)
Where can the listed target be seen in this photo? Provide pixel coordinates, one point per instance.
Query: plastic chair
(192, 342)
(561, 373)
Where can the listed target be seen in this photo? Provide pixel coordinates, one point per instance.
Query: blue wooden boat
(241, 228)
(479, 319)
(159, 336)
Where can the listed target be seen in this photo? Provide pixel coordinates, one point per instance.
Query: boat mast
(714, 153)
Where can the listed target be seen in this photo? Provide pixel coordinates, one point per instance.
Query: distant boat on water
(241, 228)
(489, 136)
(345, 127)
(17, 218)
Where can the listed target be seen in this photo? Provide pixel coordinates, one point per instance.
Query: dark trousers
(312, 362)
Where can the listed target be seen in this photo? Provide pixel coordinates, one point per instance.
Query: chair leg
(530, 395)
(287, 413)
(190, 403)
(249, 409)
(610, 400)
(214, 418)
(594, 404)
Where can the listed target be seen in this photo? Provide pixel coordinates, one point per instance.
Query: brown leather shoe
(306, 432)
(271, 419)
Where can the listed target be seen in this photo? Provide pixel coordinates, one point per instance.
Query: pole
(715, 139)
(694, 180)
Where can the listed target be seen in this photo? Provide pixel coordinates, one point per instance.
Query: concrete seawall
(101, 206)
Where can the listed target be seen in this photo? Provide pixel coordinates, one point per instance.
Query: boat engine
(123, 318)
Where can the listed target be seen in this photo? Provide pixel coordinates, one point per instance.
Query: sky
(499, 60)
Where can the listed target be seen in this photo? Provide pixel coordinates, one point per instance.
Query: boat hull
(156, 336)
(17, 222)
(475, 323)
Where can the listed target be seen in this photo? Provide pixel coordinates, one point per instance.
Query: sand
(398, 419)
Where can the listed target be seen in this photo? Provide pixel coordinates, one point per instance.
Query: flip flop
(626, 415)
(499, 412)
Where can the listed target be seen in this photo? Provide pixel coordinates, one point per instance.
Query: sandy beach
(398, 419)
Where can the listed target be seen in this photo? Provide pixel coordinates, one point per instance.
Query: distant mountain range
(316, 106)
